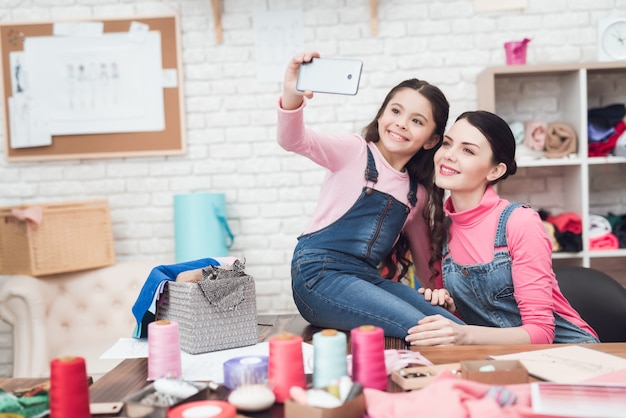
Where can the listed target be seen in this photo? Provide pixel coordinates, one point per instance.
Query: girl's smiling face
(405, 126)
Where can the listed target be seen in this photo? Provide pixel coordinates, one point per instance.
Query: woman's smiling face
(464, 162)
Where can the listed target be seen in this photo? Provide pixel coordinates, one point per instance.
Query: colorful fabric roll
(560, 140)
(551, 231)
(606, 241)
(620, 146)
(518, 131)
(607, 116)
(603, 148)
(598, 225)
(618, 227)
(535, 134)
(569, 241)
(567, 222)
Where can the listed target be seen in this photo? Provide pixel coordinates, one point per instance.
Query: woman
(376, 200)
(497, 265)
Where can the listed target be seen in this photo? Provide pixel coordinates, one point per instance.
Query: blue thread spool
(200, 227)
(329, 357)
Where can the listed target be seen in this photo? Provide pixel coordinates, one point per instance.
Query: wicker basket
(72, 236)
(204, 327)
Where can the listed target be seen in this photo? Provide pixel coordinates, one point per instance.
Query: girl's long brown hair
(422, 168)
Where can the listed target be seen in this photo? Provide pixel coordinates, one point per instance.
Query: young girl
(497, 266)
(378, 190)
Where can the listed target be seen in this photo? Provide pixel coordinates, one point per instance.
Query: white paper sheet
(91, 85)
(29, 128)
(568, 364)
(201, 367)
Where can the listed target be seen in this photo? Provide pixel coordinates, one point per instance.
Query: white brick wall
(230, 117)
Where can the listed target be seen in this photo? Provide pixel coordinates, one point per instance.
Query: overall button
(368, 191)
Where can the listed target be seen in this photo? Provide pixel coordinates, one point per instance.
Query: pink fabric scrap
(567, 222)
(448, 396)
(608, 241)
(535, 134)
(33, 214)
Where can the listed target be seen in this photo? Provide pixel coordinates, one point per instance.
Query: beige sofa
(72, 314)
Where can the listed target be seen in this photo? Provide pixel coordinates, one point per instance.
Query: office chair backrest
(599, 299)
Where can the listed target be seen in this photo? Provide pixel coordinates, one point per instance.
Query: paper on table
(200, 367)
(579, 400)
(569, 364)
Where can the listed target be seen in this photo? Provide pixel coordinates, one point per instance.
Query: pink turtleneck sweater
(536, 289)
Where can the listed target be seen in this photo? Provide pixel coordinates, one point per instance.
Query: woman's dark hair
(500, 138)
(421, 167)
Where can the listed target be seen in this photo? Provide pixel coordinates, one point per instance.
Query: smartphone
(330, 75)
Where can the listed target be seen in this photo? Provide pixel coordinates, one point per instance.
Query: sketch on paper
(19, 78)
(29, 127)
(93, 85)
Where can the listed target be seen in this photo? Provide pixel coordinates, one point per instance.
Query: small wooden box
(411, 378)
(72, 236)
(494, 372)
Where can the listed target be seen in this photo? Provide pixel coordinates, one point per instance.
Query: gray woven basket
(205, 327)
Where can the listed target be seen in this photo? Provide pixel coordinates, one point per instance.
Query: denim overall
(335, 280)
(483, 293)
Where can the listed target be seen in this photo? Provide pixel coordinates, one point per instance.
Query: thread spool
(246, 370)
(286, 364)
(164, 350)
(329, 357)
(69, 389)
(368, 357)
(203, 409)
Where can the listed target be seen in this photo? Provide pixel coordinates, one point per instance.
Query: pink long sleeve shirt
(345, 158)
(536, 290)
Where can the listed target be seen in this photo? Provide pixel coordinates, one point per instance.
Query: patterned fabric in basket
(215, 314)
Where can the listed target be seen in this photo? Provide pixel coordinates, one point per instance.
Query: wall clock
(612, 39)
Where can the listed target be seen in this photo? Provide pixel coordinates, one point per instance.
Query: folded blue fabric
(144, 305)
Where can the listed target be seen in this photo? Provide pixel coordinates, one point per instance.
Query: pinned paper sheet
(137, 31)
(29, 128)
(79, 29)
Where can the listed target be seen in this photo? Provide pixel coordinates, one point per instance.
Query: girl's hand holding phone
(291, 97)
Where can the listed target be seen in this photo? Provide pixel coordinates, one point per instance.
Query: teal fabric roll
(200, 226)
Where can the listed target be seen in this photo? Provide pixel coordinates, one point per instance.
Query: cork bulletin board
(164, 137)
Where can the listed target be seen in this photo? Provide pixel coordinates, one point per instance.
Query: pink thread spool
(368, 357)
(164, 350)
(516, 52)
(286, 365)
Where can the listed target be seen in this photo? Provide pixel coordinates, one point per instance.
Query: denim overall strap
(483, 292)
(500, 238)
(371, 175)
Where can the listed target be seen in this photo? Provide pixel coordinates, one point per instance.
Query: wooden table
(131, 374)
